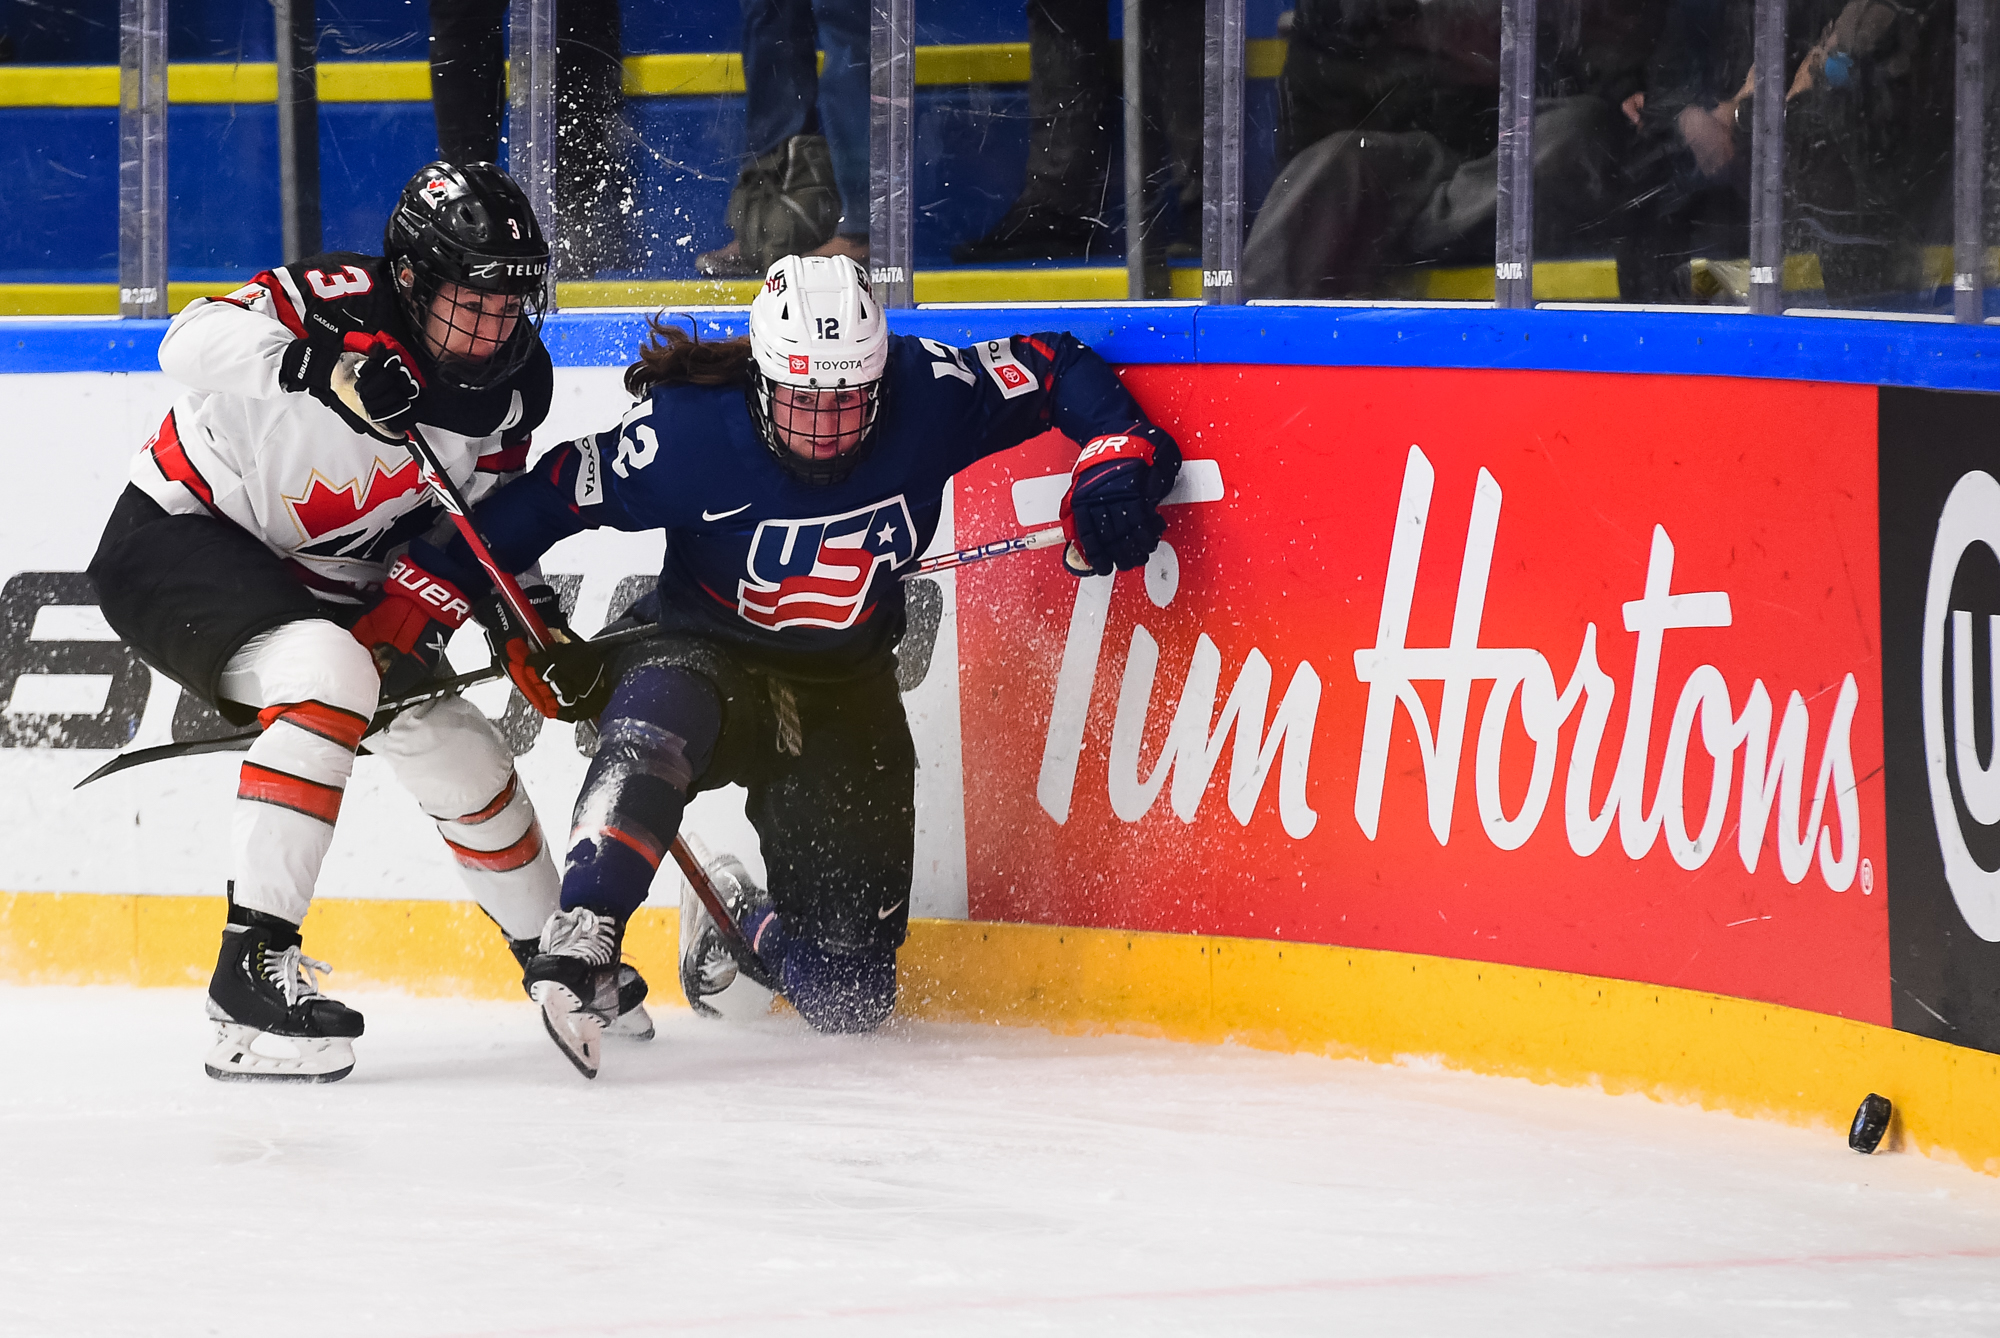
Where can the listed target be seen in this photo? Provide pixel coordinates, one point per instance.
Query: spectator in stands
(1389, 115)
(1074, 85)
(1691, 170)
(1868, 130)
(594, 188)
(1867, 143)
(803, 188)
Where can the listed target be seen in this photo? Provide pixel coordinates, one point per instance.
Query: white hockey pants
(316, 688)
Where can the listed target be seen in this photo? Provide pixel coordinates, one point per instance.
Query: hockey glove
(1111, 513)
(567, 680)
(406, 629)
(371, 381)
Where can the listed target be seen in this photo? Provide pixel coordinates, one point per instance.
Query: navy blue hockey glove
(1111, 513)
(567, 680)
(406, 628)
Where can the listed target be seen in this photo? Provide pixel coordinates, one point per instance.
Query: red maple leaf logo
(327, 509)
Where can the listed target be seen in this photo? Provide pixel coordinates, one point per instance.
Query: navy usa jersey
(804, 578)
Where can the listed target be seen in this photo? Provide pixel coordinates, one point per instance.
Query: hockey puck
(1870, 1123)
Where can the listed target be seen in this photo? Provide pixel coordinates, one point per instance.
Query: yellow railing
(676, 74)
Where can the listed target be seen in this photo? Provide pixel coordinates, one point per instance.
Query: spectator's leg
(467, 63)
(1581, 145)
(781, 86)
(843, 112)
(1341, 212)
(593, 184)
(1576, 189)
(780, 81)
(1173, 39)
(1071, 88)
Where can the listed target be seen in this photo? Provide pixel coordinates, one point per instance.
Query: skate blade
(743, 1001)
(577, 1031)
(245, 1054)
(634, 1024)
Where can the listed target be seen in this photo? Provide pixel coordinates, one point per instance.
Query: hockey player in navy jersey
(796, 473)
(269, 555)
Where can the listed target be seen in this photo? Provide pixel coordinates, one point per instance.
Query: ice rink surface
(750, 1178)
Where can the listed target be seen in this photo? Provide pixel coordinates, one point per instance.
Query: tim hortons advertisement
(1941, 683)
(1562, 670)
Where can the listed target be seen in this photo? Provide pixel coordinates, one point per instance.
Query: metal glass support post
(1514, 205)
(531, 112)
(142, 158)
(1135, 159)
(1968, 277)
(1222, 153)
(298, 126)
(1767, 163)
(892, 163)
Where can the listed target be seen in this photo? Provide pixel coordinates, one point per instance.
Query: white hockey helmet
(819, 347)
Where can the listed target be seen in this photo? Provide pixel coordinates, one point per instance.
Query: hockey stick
(1019, 543)
(538, 634)
(387, 711)
(725, 924)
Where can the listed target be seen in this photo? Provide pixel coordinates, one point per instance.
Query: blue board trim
(1860, 352)
(1789, 348)
(80, 344)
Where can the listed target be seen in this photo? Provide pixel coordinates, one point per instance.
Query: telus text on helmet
(509, 268)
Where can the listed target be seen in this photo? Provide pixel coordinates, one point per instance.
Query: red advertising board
(1562, 670)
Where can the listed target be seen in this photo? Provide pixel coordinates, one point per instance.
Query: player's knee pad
(449, 756)
(840, 991)
(308, 660)
(654, 740)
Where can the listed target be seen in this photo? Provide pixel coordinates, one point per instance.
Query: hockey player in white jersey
(270, 554)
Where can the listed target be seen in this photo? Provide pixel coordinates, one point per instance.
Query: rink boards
(1584, 696)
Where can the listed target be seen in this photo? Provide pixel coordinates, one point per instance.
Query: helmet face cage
(807, 430)
(435, 317)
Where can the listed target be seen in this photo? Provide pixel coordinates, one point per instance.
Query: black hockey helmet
(471, 226)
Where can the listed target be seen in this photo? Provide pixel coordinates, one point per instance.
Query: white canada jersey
(336, 501)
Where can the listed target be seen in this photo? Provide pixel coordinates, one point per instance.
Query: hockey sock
(287, 797)
(839, 991)
(834, 990)
(654, 739)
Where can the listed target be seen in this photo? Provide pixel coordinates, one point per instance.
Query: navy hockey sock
(833, 991)
(654, 739)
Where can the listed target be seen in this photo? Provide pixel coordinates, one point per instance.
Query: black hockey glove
(408, 625)
(375, 391)
(566, 681)
(1111, 513)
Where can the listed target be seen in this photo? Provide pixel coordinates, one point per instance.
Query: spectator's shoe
(1034, 233)
(727, 262)
(845, 244)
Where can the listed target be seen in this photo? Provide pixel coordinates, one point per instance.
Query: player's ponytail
(674, 357)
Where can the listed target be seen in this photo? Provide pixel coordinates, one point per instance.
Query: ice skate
(272, 1023)
(575, 980)
(633, 1022)
(707, 966)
